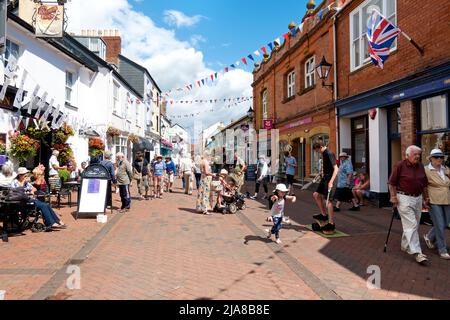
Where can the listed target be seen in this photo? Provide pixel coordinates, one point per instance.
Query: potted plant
(2, 148)
(62, 134)
(113, 132)
(23, 147)
(133, 138)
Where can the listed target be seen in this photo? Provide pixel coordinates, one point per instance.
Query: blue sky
(231, 28)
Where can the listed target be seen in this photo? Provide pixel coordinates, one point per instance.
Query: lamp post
(323, 71)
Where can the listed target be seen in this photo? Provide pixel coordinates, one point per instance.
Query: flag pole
(414, 43)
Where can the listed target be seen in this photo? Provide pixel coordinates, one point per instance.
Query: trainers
(278, 241)
(336, 209)
(421, 258)
(329, 229)
(428, 242)
(269, 233)
(445, 256)
(358, 208)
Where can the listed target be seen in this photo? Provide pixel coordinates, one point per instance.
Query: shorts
(343, 195)
(171, 177)
(323, 186)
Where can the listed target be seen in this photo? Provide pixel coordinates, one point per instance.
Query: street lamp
(251, 113)
(323, 71)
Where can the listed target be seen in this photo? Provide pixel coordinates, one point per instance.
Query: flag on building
(381, 34)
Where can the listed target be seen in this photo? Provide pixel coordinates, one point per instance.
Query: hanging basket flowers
(96, 147)
(2, 148)
(62, 134)
(113, 132)
(23, 147)
(133, 138)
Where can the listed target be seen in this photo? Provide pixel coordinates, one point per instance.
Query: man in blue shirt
(344, 183)
(291, 164)
(171, 170)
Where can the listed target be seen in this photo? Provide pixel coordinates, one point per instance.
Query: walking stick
(394, 213)
(328, 198)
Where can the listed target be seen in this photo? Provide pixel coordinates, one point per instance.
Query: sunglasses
(442, 158)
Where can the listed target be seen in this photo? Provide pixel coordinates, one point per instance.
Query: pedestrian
(171, 171)
(408, 188)
(54, 166)
(204, 191)
(124, 181)
(439, 199)
(278, 201)
(360, 191)
(329, 171)
(262, 173)
(107, 163)
(197, 171)
(187, 172)
(239, 171)
(141, 174)
(159, 169)
(291, 165)
(344, 181)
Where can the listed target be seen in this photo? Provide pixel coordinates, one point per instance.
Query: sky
(181, 41)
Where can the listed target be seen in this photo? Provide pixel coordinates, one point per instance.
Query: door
(360, 144)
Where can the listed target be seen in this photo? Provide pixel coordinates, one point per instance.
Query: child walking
(278, 201)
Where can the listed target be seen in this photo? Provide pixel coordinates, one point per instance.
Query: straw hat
(22, 171)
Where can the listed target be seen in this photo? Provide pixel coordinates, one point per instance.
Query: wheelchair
(18, 216)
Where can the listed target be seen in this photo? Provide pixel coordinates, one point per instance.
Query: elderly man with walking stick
(408, 188)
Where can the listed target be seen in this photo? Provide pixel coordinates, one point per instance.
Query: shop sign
(267, 124)
(299, 123)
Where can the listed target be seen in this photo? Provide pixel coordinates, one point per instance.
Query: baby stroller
(232, 199)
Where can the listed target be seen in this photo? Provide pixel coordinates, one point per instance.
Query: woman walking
(204, 191)
(439, 199)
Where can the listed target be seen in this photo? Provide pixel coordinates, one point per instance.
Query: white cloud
(173, 63)
(196, 39)
(179, 19)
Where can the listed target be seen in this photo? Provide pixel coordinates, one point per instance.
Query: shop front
(166, 148)
(376, 127)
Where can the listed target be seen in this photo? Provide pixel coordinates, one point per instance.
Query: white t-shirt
(53, 161)
(278, 208)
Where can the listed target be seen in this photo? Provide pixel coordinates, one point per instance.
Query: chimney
(113, 45)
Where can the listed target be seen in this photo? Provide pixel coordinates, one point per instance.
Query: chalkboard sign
(95, 190)
(251, 173)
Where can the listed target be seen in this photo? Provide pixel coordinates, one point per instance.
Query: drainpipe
(338, 146)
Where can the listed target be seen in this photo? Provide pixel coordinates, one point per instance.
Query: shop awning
(143, 145)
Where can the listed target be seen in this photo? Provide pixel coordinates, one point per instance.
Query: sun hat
(281, 187)
(437, 153)
(159, 157)
(223, 171)
(22, 170)
(343, 154)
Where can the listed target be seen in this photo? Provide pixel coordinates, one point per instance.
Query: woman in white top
(54, 164)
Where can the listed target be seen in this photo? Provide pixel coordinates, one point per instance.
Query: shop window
(395, 122)
(436, 141)
(433, 113)
(316, 161)
(358, 29)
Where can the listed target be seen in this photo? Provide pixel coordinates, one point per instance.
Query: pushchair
(232, 199)
(18, 213)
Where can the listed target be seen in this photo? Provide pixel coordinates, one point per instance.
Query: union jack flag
(381, 34)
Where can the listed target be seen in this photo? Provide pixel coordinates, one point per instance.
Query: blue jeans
(277, 225)
(184, 183)
(125, 196)
(440, 215)
(50, 217)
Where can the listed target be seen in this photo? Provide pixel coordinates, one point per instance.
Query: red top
(409, 178)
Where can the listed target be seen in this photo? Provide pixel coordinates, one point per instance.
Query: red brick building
(286, 90)
(408, 100)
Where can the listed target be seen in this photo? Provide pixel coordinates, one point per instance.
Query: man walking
(329, 173)
(107, 163)
(141, 168)
(187, 172)
(124, 181)
(408, 188)
(262, 172)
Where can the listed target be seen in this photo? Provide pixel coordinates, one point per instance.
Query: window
(291, 84)
(12, 49)
(138, 109)
(316, 161)
(310, 66)
(265, 104)
(69, 86)
(395, 121)
(435, 129)
(433, 113)
(120, 145)
(116, 105)
(358, 29)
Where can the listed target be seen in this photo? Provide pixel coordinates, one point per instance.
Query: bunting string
(199, 113)
(209, 101)
(256, 56)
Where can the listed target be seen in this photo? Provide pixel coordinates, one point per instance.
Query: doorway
(360, 144)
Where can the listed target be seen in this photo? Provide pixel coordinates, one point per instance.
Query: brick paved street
(164, 250)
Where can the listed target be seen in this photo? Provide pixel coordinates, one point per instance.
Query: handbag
(138, 175)
(17, 195)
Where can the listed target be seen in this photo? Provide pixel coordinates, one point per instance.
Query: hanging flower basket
(62, 134)
(96, 147)
(113, 132)
(2, 148)
(65, 152)
(23, 147)
(133, 138)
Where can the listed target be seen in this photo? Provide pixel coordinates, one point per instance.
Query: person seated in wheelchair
(51, 219)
